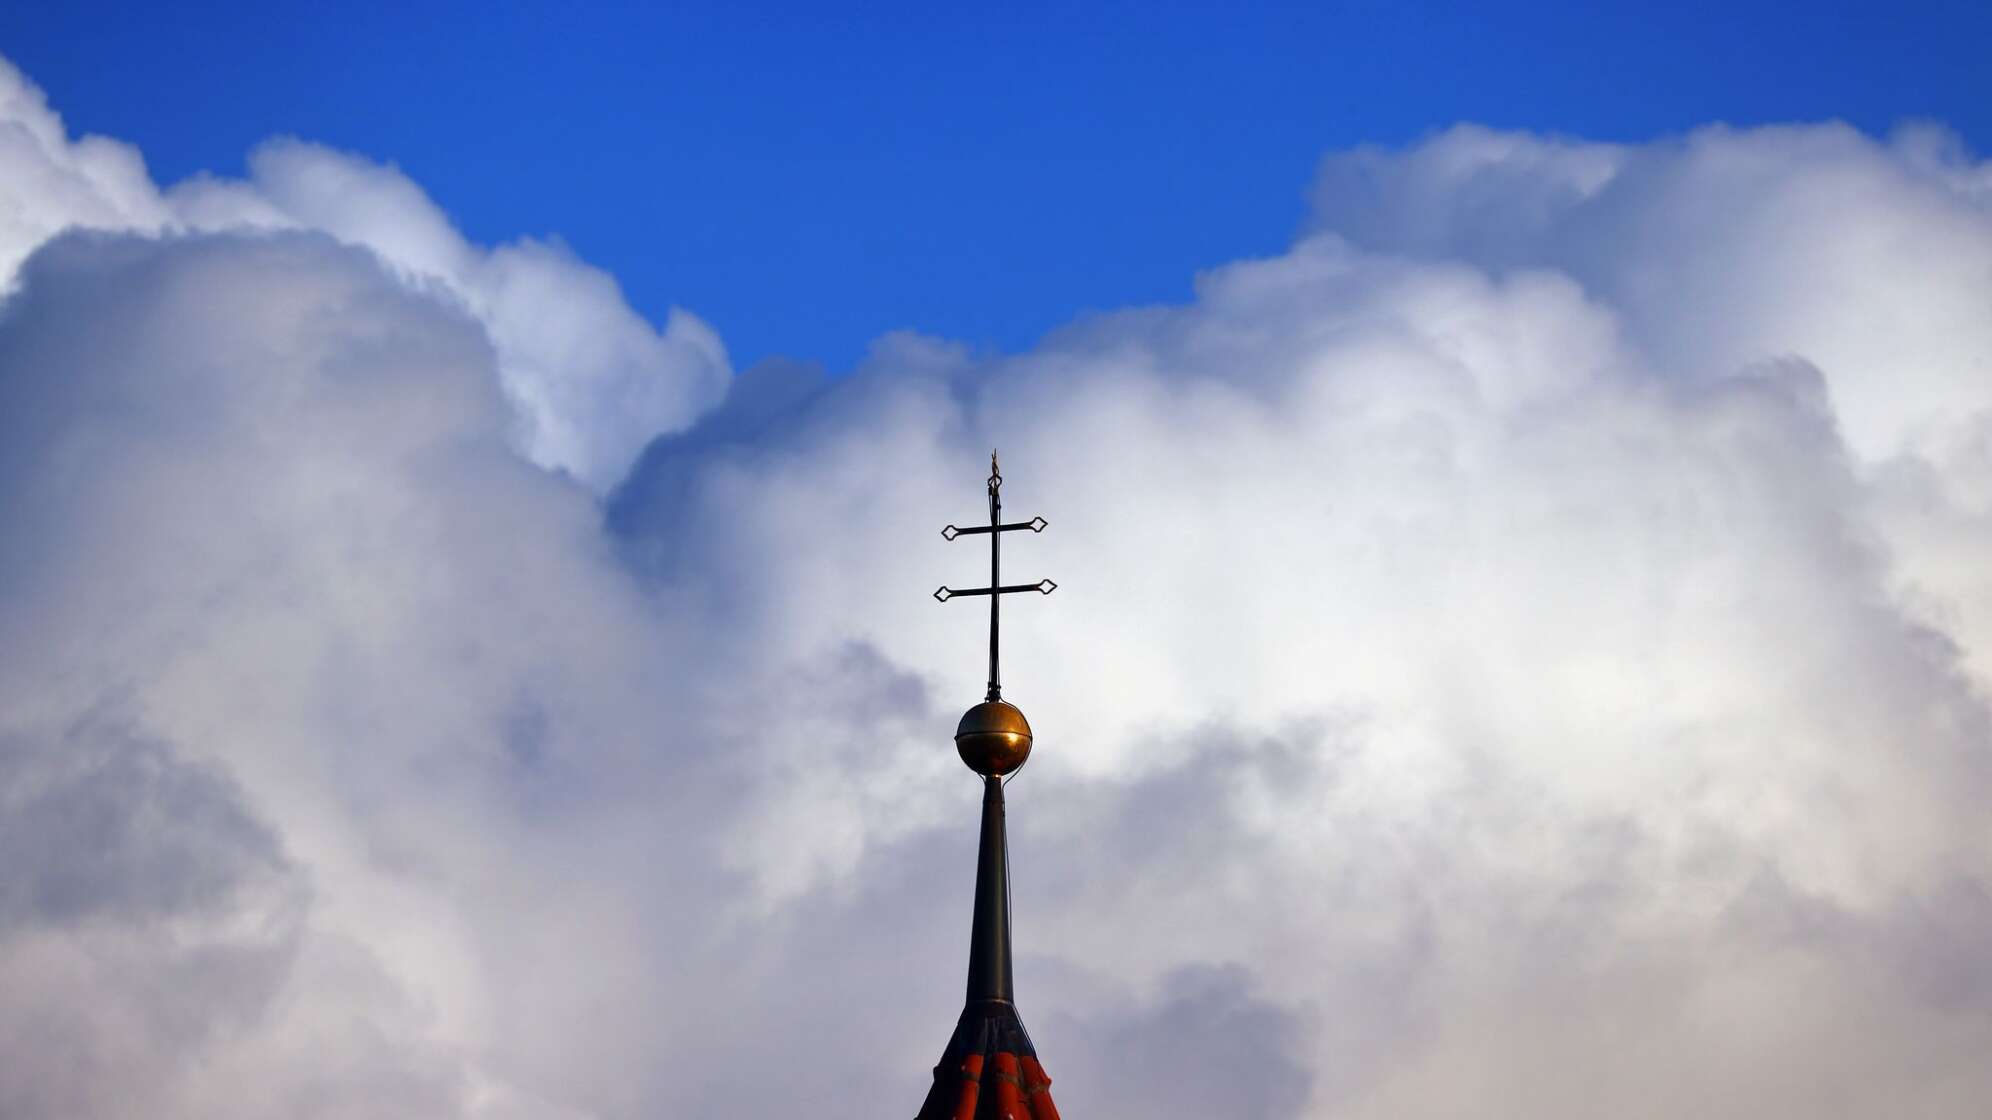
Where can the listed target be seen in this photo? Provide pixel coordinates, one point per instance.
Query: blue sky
(806, 182)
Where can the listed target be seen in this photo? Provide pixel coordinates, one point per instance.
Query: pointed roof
(990, 1070)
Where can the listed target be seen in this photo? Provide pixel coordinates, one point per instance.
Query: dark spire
(989, 941)
(990, 1069)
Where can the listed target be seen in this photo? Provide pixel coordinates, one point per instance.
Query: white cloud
(591, 382)
(1484, 679)
(1723, 247)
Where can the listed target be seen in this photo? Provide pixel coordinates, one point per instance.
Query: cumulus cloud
(1515, 655)
(590, 381)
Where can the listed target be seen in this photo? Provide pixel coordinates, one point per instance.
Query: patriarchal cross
(996, 590)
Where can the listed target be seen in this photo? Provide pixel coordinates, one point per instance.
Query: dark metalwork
(1035, 525)
(1043, 585)
(989, 944)
(997, 588)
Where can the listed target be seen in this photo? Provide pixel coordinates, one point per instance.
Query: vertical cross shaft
(995, 573)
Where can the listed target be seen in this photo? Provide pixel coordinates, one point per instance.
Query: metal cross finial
(995, 590)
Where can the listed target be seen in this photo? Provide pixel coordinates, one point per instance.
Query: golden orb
(993, 738)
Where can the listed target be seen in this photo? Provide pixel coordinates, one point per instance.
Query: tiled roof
(990, 1071)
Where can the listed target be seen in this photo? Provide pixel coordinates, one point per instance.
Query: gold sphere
(993, 738)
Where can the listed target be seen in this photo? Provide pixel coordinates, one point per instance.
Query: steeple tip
(990, 1069)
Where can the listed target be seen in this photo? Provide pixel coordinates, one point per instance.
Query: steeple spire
(990, 1069)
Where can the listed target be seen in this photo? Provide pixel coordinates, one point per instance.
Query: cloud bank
(590, 381)
(1522, 651)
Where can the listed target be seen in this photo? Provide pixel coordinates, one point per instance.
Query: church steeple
(990, 1070)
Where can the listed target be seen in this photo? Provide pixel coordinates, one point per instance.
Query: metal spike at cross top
(996, 589)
